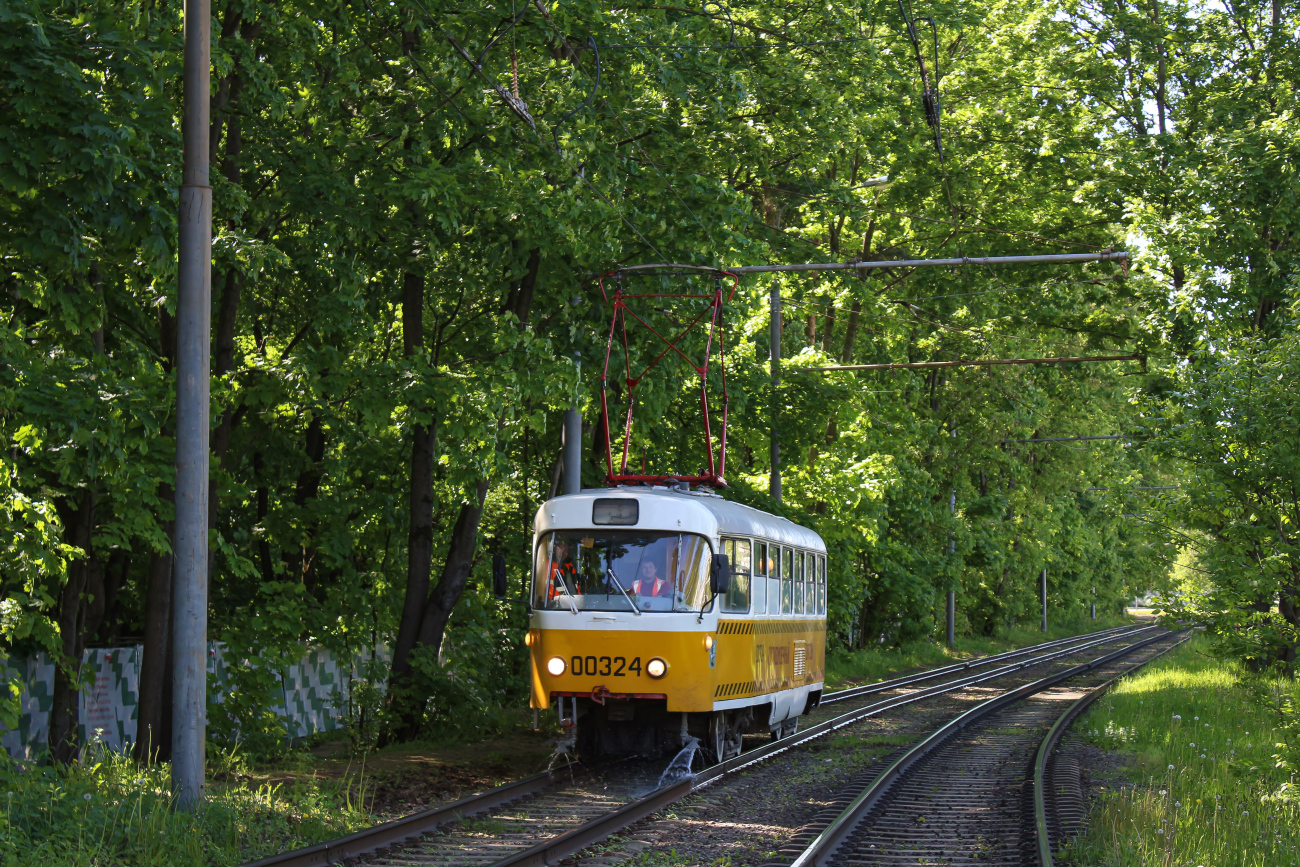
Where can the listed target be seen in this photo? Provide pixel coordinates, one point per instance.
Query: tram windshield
(617, 570)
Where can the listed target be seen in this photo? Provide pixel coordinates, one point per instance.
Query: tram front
(622, 596)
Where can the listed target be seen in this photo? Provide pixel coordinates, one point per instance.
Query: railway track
(961, 796)
(550, 816)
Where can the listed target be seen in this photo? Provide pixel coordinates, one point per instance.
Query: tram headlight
(656, 668)
(708, 642)
(528, 640)
(555, 665)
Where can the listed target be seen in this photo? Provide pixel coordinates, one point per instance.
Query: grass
(109, 811)
(845, 669)
(1208, 783)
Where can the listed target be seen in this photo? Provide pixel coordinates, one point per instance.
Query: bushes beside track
(107, 810)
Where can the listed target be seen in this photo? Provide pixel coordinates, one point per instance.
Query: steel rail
(826, 844)
(1048, 744)
(403, 829)
(406, 828)
(556, 849)
(931, 673)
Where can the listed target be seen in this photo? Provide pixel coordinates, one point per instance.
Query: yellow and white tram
(664, 613)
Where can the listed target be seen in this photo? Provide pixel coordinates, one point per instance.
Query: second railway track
(981, 790)
(548, 817)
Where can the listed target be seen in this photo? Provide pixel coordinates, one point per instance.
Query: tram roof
(701, 511)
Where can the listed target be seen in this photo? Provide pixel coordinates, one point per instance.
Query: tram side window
(810, 584)
(821, 585)
(809, 576)
(773, 580)
(760, 578)
(787, 581)
(798, 582)
(736, 600)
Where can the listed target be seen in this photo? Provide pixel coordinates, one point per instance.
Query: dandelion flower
(86, 796)
(1171, 767)
(1160, 830)
(1245, 812)
(1178, 803)
(1178, 716)
(1193, 746)
(1163, 792)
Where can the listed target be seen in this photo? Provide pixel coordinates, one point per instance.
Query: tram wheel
(718, 737)
(785, 729)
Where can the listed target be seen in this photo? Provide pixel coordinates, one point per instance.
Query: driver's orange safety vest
(566, 570)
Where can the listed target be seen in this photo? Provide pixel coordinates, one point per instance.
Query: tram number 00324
(605, 666)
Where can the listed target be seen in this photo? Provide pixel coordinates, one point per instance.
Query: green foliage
(1208, 789)
(1231, 423)
(243, 717)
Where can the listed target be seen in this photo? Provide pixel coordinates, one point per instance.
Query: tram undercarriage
(645, 727)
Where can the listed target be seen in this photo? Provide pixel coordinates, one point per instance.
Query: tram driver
(563, 576)
(648, 582)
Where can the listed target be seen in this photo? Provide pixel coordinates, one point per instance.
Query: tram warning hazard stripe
(728, 690)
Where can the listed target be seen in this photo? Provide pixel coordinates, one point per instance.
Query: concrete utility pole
(193, 338)
(1044, 628)
(572, 451)
(774, 337)
(1093, 606)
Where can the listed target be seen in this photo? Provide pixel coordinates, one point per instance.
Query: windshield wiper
(567, 595)
(619, 585)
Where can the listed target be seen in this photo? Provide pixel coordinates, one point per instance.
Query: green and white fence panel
(316, 693)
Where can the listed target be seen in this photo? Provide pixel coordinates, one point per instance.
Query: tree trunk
(1161, 99)
(263, 505)
(419, 550)
(302, 563)
(828, 327)
(519, 301)
(101, 612)
(223, 349)
(451, 584)
(64, 713)
(153, 738)
(851, 333)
